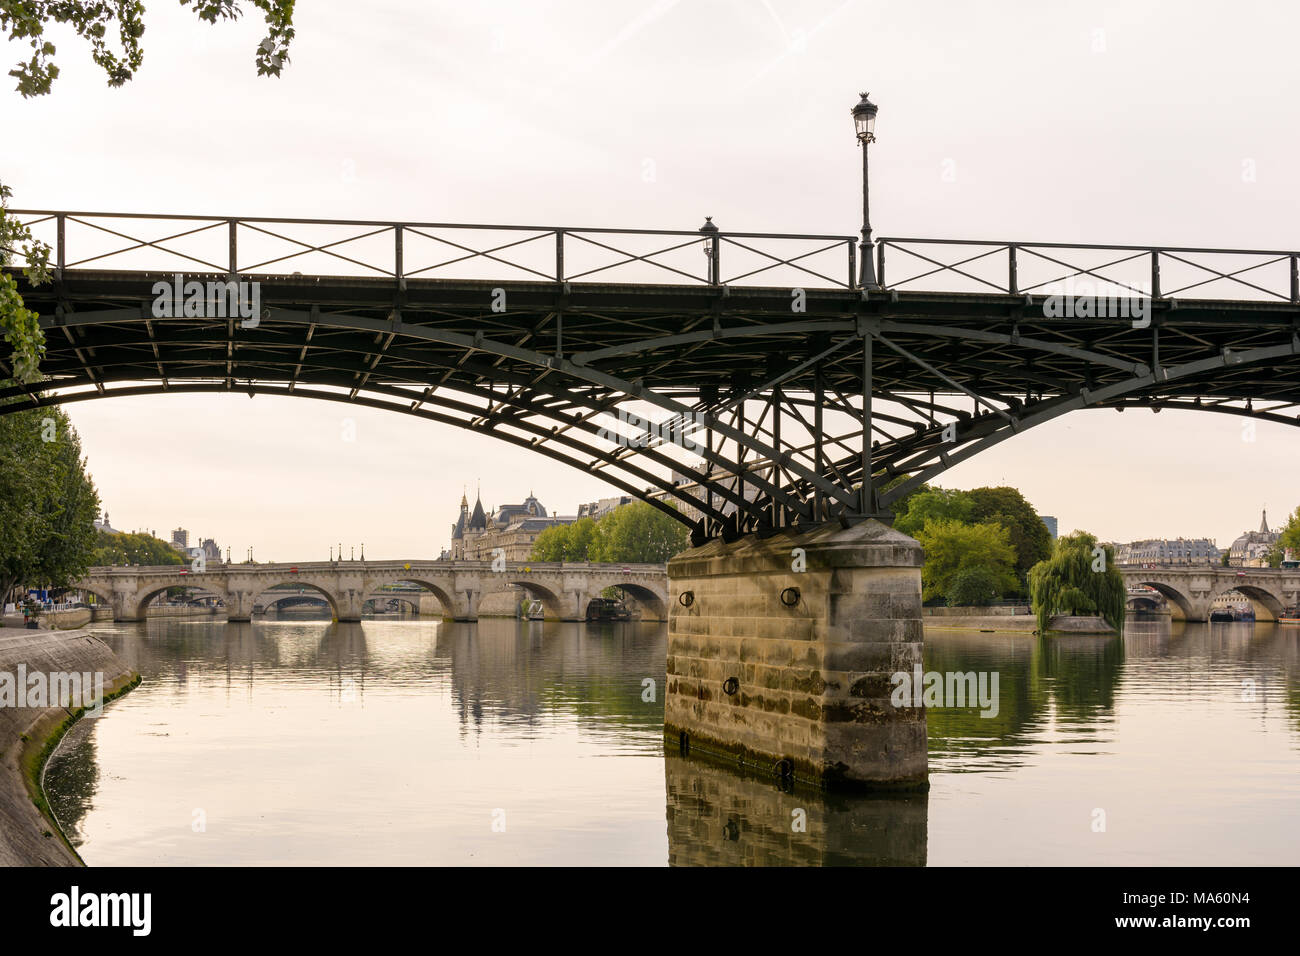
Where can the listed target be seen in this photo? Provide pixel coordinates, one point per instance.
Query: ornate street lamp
(864, 122)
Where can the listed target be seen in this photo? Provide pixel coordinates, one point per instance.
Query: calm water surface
(419, 742)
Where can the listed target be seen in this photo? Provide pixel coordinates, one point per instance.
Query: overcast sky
(1141, 123)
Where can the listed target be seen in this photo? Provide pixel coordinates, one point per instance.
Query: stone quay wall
(27, 735)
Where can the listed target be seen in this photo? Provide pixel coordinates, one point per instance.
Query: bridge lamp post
(864, 122)
(710, 232)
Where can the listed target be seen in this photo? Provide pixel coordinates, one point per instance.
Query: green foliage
(952, 547)
(973, 587)
(571, 542)
(933, 504)
(92, 20)
(125, 548)
(1008, 507)
(551, 543)
(1066, 583)
(1289, 534)
(1001, 507)
(634, 533)
(637, 532)
(48, 503)
(20, 325)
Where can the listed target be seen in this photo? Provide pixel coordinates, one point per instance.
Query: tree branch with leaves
(94, 21)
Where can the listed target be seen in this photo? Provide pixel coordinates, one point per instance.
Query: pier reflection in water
(396, 742)
(718, 816)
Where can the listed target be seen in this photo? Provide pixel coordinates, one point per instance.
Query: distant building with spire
(477, 533)
(1252, 548)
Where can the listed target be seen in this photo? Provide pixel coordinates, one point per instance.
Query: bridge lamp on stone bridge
(864, 122)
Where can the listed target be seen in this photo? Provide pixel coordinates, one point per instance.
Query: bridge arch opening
(292, 588)
(300, 595)
(382, 604)
(552, 604)
(182, 596)
(102, 597)
(1180, 605)
(411, 591)
(653, 606)
(1266, 605)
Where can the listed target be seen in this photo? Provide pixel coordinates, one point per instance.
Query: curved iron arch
(779, 471)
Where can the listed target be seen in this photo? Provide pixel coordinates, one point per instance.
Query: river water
(418, 742)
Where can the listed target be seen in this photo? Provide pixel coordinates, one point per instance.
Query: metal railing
(557, 254)
(413, 250)
(1035, 268)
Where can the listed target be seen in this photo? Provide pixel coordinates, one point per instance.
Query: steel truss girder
(997, 365)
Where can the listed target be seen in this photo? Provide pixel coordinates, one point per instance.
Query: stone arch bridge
(1190, 591)
(565, 589)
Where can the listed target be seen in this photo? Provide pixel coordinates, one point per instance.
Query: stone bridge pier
(781, 654)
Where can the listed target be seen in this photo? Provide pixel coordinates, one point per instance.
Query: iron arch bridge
(742, 382)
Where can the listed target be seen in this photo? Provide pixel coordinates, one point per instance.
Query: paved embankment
(52, 620)
(1013, 619)
(28, 735)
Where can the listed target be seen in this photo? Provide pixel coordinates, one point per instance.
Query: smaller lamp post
(710, 232)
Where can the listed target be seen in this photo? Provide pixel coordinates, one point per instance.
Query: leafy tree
(578, 540)
(21, 326)
(26, 20)
(934, 504)
(92, 19)
(48, 503)
(973, 587)
(1008, 507)
(1289, 535)
(551, 543)
(634, 533)
(124, 548)
(637, 532)
(952, 547)
(1066, 583)
(565, 542)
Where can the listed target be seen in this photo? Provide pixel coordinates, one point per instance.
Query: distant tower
(458, 530)
(1263, 521)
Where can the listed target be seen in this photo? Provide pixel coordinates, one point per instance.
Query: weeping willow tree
(1080, 577)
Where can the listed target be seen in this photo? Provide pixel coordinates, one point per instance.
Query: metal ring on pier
(730, 686)
(686, 598)
(790, 597)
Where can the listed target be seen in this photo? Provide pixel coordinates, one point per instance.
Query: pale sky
(1132, 123)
